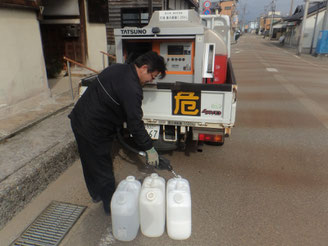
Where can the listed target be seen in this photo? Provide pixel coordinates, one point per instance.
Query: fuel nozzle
(164, 164)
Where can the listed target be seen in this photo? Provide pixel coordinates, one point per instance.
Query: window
(227, 8)
(137, 17)
(98, 11)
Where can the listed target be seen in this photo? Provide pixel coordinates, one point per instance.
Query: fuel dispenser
(193, 53)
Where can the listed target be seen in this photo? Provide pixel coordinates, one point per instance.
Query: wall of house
(268, 22)
(96, 42)
(294, 33)
(309, 30)
(22, 67)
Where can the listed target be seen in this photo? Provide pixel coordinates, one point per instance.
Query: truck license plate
(153, 131)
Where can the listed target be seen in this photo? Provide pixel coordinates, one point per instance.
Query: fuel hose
(128, 147)
(163, 162)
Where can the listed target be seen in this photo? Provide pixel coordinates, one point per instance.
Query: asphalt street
(268, 184)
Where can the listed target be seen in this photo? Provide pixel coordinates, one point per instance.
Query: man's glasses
(153, 76)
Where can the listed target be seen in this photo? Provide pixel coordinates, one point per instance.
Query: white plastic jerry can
(178, 213)
(125, 209)
(152, 206)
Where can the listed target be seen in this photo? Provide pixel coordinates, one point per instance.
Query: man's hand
(152, 157)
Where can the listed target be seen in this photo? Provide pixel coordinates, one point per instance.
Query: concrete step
(33, 158)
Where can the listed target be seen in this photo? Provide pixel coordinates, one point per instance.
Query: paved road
(268, 185)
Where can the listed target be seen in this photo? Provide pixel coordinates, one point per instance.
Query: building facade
(265, 22)
(23, 73)
(314, 24)
(35, 36)
(228, 8)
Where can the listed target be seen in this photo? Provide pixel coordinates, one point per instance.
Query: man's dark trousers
(97, 167)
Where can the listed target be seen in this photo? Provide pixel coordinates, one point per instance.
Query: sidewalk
(36, 145)
(320, 60)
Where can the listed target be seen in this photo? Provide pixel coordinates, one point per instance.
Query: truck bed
(216, 106)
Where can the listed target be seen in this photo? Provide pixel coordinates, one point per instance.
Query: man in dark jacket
(113, 98)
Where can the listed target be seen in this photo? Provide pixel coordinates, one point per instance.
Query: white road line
(319, 112)
(272, 70)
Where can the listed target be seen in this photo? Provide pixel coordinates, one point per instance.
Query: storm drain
(51, 226)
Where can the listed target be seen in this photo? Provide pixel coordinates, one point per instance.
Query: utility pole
(300, 41)
(273, 9)
(315, 27)
(325, 19)
(291, 7)
(243, 18)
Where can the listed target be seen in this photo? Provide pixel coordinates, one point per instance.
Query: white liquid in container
(125, 209)
(178, 213)
(152, 206)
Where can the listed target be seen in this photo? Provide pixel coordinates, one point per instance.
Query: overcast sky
(254, 8)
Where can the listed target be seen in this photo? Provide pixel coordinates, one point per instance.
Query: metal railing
(68, 60)
(108, 55)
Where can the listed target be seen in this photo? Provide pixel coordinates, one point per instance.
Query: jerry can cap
(151, 196)
(130, 178)
(178, 198)
(154, 175)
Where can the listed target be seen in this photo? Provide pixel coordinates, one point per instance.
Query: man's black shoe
(96, 200)
(106, 205)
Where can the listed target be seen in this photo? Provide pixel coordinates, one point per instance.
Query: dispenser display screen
(175, 49)
(178, 56)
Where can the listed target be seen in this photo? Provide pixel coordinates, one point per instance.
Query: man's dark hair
(154, 62)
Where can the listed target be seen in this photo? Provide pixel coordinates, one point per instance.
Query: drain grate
(51, 226)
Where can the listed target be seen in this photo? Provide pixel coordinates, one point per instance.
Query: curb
(18, 189)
